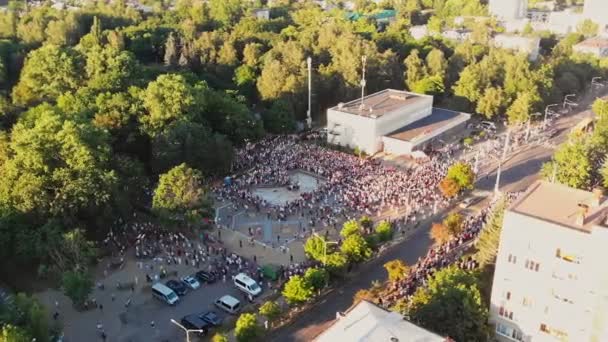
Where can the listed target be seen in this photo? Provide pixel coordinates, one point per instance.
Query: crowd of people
(350, 186)
(441, 256)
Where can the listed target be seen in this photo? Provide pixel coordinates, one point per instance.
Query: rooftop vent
(394, 339)
(581, 214)
(340, 105)
(596, 200)
(401, 97)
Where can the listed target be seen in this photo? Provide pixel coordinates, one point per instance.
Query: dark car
(211, 317)
(177, 286)
(193, 322)
(205, 276)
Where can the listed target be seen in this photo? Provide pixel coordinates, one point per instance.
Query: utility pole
(547, 113)
(363, 60)
(309, 112)
(499, 170)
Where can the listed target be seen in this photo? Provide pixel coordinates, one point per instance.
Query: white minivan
(162, 292)
(228, 304)
(246, 284)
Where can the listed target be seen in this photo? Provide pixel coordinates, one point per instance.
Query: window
(508, 295)
(558, 253)
(505, 313)
(510, 258)
(536, 266)
(527, 263)
(517, 335)
(543, 327)
(527, 302)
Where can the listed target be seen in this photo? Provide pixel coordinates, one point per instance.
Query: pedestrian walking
(101, 307)
(152, 324)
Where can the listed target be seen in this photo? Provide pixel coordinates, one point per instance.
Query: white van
(164, 293)
(246, 284)
(228, 304)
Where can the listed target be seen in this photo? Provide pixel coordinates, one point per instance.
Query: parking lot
(133, 323)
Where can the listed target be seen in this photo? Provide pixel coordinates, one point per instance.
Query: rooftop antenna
(309, 112)
(363, 60)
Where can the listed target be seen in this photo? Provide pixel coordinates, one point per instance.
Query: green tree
(384, 230)
(571, 164)
(96, 32)
(451, 305)
(587, 28)
(271, 310)
(219, 337)
(11, 333)
(335, 262)
(48, 72)
(297, 290)
(355, 248)
(396, 269)
(167, 99)
(462, 174)
(315, 247)
(280, 118)
(349, 228)
(109, 69)
(180, 195)
(489, 238)
(316, 277)
(490, 104)
(432, 85)
(436, 63)
(57, 166)
(415, 70)
(77, 285)
(251, 54)
(225, 12)
(519, 111)
(453, 223)
(247, 328)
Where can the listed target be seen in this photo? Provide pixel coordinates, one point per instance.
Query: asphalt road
(519, 171)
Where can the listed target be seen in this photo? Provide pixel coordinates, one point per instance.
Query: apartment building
(550, 282)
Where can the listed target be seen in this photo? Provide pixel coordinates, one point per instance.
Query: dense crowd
(350, 186)
(439, 257)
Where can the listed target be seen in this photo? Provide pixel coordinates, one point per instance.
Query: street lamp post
(325, 243)
(547, 112)
(188, 331)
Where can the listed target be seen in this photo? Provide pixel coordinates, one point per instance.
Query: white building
(393, 121)
(550, 281)
(528, 45)
(261, 13)
(597, 11)
(596, 46)
(367, 322)
(508, 9)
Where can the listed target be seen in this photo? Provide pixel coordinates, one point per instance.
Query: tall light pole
(363, 60)
(325, 243)
(547, 112)
(309, 113)
(188, 331)
(529, 125)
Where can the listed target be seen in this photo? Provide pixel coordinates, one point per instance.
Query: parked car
(191, 282)
(487, 125)
(193, 322)
(467, 202)
(177, 286)
(229, 304)
(246, 284)
(164, 293)
(211, 317)
(205, 277)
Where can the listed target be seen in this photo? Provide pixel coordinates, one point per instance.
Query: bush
(316, 277)
(247, 328)
(397, 270)
(77, 285)
(349, 228)
(271, 310)
(468, 141)
(384, 231)
(297, 290)
(439, 233)
(449, 188)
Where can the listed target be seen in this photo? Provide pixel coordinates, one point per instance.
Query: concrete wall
(396, 146)
(567, 297)
(509, 9)
(354, 131)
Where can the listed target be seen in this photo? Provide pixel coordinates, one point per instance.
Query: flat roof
(378, 104)
(559, 204)
(367, 322)
(595, 42)
(429, 124)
